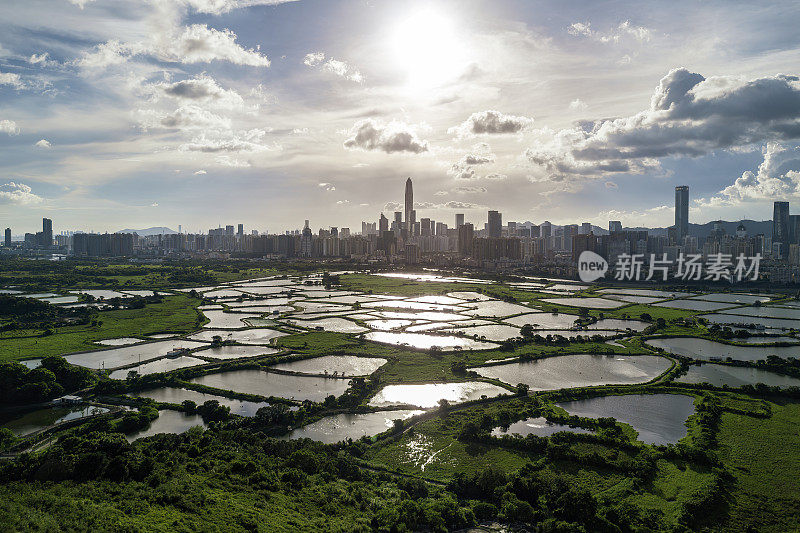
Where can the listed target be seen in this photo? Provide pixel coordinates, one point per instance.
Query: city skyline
(160, 109)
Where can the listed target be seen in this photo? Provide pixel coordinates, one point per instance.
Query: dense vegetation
(439, 471)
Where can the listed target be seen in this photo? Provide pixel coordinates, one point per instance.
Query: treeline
(18, 312)
(55, 376)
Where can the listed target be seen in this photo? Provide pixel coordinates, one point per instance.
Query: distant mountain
(702, 231)
(161, 230)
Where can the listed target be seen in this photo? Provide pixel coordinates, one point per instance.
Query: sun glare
(426, 46)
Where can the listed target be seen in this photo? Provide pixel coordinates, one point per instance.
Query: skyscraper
(614, 226)
(586, 228)
(240, 230)
(780, 227)
(495, 224)
(681, 212)
(545, 229)
(409, 206)
(47, 232)
(383, 224)
(459, 220)
(8, 237)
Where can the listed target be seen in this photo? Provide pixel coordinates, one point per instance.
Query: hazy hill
(160, 230)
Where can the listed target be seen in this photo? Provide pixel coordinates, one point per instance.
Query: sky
(130, 114)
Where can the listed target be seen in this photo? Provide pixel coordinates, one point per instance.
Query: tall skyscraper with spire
(409, 207)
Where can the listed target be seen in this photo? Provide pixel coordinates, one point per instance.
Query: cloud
(624, 30)
(187, 117)
(495, 177)
(189, 44)
(340, 68)
(12, 79)
(470, 190)
(391, 138)
(200, 172)
(688, 115)
(44, 143)
(9, 126)
(228, 161)
(578, 104)
(463, 169)
(154, 204)
(218, 7)
(80, 3)
(392, 206)
(236, 142)
(342, 202)
(777, 178)
(491, 122)
(18, 193)
(462, 205)
(611, 185)
(200, 89)
(327, 186)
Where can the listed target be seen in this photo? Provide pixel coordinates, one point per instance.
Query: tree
(522, 389)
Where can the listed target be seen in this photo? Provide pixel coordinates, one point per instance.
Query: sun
(426, 46)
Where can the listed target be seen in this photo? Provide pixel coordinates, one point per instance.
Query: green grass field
(764, 457)
(175, 314)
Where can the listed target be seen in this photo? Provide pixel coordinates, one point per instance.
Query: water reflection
(658, 418)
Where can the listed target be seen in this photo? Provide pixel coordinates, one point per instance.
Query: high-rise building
(228, 230)
(425, 227)
(306, 241)
(397, 225)
(545, 229)
(409, 206)
(780, 227)
(413, 224)
(586, 228)
(240, 230)
(495, 224)
(466, 236)
(535, 231)
(383, 224)
(614, 226)
(512, 229)
(47, 232)
(794, 229)
(681, 212)
(8, 238)
(459, 220)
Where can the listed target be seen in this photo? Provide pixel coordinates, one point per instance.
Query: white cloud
(228, 141)
(13, 79)
(228, 161)
(18, 193)
(80, 3)
(689, 115)
(470, 190)
(495, 177)
(491, 122)
(624, 30)
(200, 172)
(340, 68)
(391, 138)
(327, 186)
(578, 104)
(189, 44)
(9, 126)
(43, 143)
(154, 204)
(611, 185)
(186, 117)
(777, 177)
(218, 7)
